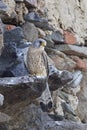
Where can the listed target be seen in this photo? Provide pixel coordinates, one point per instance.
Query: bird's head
(39, 43)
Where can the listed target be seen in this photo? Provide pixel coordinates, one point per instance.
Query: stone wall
(60, 23)
(69, 15)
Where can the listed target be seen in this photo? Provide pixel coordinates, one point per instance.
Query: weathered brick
(69, 37)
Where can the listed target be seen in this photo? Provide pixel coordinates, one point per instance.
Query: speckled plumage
(36, 61)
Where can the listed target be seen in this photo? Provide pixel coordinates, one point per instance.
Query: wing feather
(45, 61)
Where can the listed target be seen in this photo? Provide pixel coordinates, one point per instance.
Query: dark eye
(40, 42)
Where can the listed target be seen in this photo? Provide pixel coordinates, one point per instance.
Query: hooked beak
(43, 44)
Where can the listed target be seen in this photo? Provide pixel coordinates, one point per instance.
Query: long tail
(45, 100)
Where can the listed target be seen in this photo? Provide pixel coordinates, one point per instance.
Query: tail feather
(45, 100)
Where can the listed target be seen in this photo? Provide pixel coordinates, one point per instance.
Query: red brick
(69, 37)
(9, 27)
(80, 64)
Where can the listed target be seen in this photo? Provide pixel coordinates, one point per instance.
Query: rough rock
(31, 117)
(57, 103)
(30, 3)
(11, 5)
(19, 11)
(73, 101)
(12, 60)
(4, 117)
(65, 104)
(9, 50)
(61, 61)
(19, 89)
(50, 43)
(72, 91)
(3, 66)
(38, 21)
(10, 12)
(7, 58)
(73, 50)
(41, 33)
(1, 37)
(68, 96)
(31, 88)
(15, 35)
(59, 79)
(8, 27)
(67, 109)
(77, 77)
(30, 32)
(19, 0)
(63, 76)
(1, 99)
(70, 37)
(82, 96)
(57, 37)
(74, 18)
(41, 6)
(80, 64)
(3, 9)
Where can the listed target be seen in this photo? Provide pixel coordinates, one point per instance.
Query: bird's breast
(35, 63)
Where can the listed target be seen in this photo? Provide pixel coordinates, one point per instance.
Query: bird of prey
(36, 59)
(36, 62)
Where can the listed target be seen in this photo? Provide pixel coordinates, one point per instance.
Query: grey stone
(15, 35)
(3, 126)
(63, 95)
(57, 37)
(15, 68)
(61, 61)
(1, 36)
(67, 108)
(58, 78)
(3, 8)
(38, 21)
(7, 58)
(4, 117)
(8, 14)
(56, 117)
(34, 17)
(12, 60)
(31, 117)
(21, 88)
(30, 32)
(73, 50)
(4, 63)
(31, 85)
(1, 99)
(63, 16)
(82, 95)
(19, 0)
(50, 43)
(9, 50)
(30, 3)
(77, 77)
